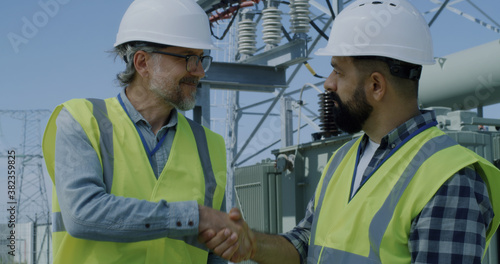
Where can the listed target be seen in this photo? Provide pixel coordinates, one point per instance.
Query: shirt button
(191, 223)
(147, 225)
(179, 224)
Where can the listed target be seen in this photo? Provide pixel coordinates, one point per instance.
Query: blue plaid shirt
(452, 226)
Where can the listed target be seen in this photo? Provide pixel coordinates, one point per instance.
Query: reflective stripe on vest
(106, 146)
(380, 222)
(105, 141)
(57, 222)
(185, 177)
(329, 173)
(201, 143)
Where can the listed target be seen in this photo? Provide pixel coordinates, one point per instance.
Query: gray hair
(126, 51)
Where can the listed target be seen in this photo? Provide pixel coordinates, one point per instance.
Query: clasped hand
(227, 235)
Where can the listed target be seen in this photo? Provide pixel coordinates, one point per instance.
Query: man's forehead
(340, 60)
(341, 63)
(183, 50)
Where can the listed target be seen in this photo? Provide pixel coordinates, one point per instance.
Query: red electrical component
(228, 13)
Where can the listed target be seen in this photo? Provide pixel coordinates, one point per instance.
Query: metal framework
(276, 67)
(290, 57)
(265, 58)
(31, 201)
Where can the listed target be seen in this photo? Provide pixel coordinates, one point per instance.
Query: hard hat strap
(407, 72)
(398, 68)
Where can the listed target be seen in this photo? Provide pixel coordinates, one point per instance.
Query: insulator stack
(247, 43)
(299, 16)
(271, 24)
(327, 122)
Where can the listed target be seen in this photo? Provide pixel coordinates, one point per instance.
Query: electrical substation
(274, 112)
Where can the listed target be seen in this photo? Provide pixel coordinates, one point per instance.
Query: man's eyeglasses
(191, 60)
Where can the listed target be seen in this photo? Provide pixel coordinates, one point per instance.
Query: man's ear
(141, 59)
(377, 86)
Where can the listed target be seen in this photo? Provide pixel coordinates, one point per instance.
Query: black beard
(351, 115)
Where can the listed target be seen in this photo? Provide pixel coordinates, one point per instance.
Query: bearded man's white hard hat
(387, 28)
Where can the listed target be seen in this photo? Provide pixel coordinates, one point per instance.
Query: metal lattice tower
(31, 194)
(32, 202)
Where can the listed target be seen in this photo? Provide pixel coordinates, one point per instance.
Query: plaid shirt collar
(393, 139)
(397, 135)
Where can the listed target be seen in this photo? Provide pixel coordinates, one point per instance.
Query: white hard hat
(181, 23)
(387, 28)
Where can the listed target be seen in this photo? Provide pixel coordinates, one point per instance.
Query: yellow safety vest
(374, 226)
(195, 170)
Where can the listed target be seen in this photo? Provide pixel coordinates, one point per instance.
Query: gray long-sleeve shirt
(88, 212)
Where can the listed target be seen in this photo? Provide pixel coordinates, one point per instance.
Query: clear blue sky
(55, 50)
(65, 57)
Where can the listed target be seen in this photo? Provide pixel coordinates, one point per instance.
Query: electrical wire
(331, 8)
(228, 26)
(318, 29)
(229, 12)
(311, 70)
(306, 63)
(300, 103)
(287, 36)
(285, 33)
(438, 12)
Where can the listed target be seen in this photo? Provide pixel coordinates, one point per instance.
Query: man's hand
(234, 241)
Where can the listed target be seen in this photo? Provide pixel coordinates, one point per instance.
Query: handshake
(227, 235)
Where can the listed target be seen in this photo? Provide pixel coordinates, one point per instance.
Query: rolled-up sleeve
(300, 234)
